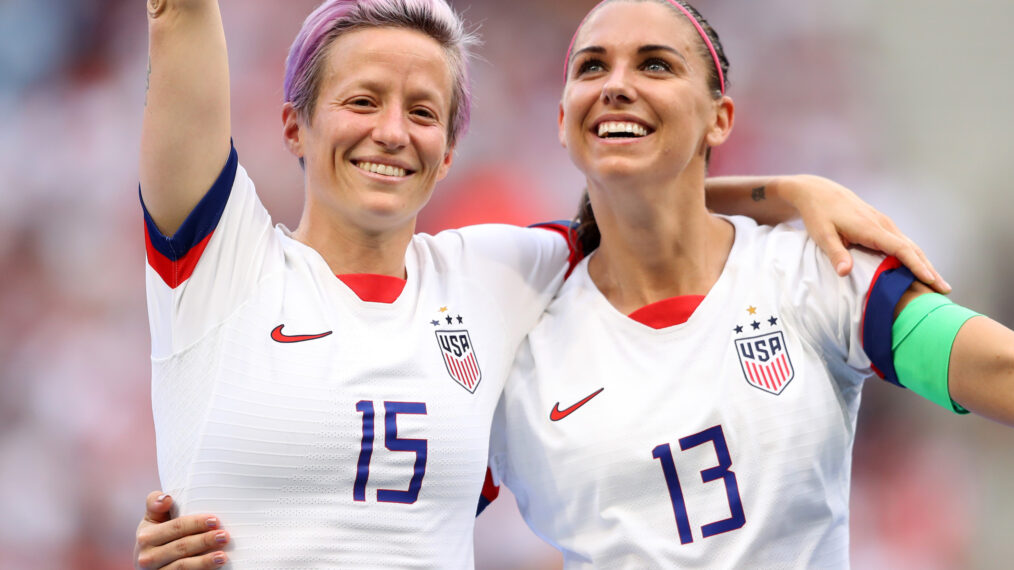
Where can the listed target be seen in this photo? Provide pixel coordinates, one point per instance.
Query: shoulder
(499, 232)
(498, 242)
(769, 247)
(774, 241)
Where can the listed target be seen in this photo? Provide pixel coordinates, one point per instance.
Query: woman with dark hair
(689, 398)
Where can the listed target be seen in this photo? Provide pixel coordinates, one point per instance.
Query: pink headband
(693, 20)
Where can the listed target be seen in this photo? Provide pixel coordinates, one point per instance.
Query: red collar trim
(667, 312)
(374, 288)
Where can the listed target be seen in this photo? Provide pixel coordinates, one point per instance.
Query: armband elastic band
(923, 335)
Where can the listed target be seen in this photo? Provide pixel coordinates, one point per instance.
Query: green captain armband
(922, 337)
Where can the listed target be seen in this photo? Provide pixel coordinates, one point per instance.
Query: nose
(617, 88)
(391, 130)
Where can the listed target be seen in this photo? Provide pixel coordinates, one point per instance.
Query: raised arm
(185, 131)
(835, 218)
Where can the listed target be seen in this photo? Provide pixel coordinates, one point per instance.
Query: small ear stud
(156, 7)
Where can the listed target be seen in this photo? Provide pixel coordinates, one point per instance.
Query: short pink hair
(304, 68)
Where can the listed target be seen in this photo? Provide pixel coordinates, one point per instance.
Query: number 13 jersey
(720, 442)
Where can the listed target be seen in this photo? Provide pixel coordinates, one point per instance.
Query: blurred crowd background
(908, 103)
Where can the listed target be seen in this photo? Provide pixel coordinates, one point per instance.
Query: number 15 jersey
(720, 442)
(328, 427)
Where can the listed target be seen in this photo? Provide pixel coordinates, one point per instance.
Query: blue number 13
(721, 471)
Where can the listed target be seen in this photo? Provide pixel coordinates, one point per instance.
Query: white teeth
(384, 169)
(621, 127)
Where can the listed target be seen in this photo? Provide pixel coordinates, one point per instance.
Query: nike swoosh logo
(278, 336)
(557, 414)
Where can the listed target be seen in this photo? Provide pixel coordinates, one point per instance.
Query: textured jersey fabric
(721, 442)
(324, 430)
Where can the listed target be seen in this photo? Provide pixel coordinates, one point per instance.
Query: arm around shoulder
(834, 217)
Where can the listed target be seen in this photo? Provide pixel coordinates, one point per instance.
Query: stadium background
(906, 102)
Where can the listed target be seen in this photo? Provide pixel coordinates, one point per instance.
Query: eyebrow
(641, 50)
(589, 49)
(658, 47)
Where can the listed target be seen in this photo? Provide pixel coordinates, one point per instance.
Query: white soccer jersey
(721, 442)
(324, 430)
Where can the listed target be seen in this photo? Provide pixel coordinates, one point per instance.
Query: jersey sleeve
(850, 317)
(490, 491)
(497, 466)
(201, 274)
(521, 267)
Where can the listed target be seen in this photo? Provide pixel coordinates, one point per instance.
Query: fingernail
(221, 537)
(219, 559)
(161, 498)
(946, 285)
(212, 522)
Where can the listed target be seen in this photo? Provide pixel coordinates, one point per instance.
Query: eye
(590, 65)
(656, 65)
(360, 103)
(424, 114)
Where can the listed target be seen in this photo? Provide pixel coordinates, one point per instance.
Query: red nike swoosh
(557, 414)
(277, 336)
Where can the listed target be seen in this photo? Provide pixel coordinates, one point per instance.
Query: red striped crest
(765, 361)
(459, 357)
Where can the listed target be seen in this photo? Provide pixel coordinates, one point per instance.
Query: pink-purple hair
(304, 68)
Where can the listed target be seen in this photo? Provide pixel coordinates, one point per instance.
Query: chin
(389, 211)
(618, 170)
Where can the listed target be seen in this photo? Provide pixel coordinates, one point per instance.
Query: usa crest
(459, 357)
(765, 361)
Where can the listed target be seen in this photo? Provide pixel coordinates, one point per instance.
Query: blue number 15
(393, 443)
(721, 471)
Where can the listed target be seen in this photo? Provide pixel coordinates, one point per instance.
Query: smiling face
(377, 140)
(638, 105)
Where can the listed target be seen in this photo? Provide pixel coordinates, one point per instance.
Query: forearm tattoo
(758, 194)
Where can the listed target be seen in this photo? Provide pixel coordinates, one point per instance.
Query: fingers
(835, 216)
(940, 285)
(210, 560)
(835, 247)
(194, 551)
(911, 256)
(893, 242)
(837, 251)
(157, 507)
(915, 259)
(908, 253)
(150, 535)
(192, 541)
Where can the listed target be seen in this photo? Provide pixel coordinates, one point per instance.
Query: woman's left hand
(836, 218)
